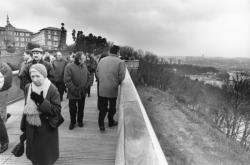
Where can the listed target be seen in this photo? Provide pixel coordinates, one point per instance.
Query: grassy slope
(185, 136)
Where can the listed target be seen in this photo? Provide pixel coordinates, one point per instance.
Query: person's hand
(38, 99)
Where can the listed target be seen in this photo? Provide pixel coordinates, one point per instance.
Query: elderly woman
(42, 101)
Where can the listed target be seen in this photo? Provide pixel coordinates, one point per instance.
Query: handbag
(18, 150)
(56, 120)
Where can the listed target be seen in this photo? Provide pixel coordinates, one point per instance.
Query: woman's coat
(42, 143)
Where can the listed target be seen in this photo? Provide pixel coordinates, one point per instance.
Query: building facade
(50, 38)
(13, 38)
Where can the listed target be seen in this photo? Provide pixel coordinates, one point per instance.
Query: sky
(164, 27)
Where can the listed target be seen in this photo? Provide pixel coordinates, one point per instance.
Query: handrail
(137, 142)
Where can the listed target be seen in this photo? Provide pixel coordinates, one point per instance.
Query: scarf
(30, 108)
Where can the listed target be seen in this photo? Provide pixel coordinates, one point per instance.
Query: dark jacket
(7, 73)
(76, 79)
(59, 66)
(25, 76)
(42, 144)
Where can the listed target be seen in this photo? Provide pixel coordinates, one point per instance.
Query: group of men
(73, 77)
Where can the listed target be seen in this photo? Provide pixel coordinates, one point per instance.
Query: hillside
(186, 137)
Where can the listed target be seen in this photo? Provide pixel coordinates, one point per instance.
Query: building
(50, 38)
(13, 38)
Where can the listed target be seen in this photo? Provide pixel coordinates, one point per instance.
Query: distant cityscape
(49, 38)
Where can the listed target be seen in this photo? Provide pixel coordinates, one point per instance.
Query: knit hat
(40, 68)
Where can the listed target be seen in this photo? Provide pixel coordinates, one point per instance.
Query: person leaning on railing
(5, 84)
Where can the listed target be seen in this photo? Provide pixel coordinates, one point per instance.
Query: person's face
(26, 56)
(37, 56)
(59, 56)
(83, 59)
(36, 77)
(72, 58)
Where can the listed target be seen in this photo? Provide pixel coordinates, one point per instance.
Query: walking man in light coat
(110, 73)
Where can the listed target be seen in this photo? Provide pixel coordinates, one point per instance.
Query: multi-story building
(48, 38)
(12, 37)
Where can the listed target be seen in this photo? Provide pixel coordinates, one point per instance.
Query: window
(48, 32)
(21, 34)
(22, 44)
(27, 34)
(49, 43)
(55, 38)
(49, 37)
(55, 43)
(16, 38)
(22, 39)
(55, 33)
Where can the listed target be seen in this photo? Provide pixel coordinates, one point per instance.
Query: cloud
(166, 27)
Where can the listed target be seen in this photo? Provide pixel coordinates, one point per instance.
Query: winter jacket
(42, 144)
(76, 79)
(7, 74)
(110, 73)
(59, 66)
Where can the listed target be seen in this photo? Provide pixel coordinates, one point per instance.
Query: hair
(78, 56)
(114, 49)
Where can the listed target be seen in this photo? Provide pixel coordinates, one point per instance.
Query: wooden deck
(79, 146)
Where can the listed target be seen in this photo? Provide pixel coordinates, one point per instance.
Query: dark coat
(59, 66)
(76, 79)
(7, 73)
(42, 144)
(25, 75)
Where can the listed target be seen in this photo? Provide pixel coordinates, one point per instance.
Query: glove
(38, 99)
(18, 150)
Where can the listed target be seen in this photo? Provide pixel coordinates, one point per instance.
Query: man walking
(110, 73)
(5, 84)
(76, 80)
(59, 65)
(37, 54)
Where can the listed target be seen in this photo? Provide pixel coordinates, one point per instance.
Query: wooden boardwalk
(80, 146)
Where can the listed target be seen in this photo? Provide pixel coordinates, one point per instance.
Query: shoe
(113, 123)
(4, 147)
(71, 126)
(80, 124)
(102, 128)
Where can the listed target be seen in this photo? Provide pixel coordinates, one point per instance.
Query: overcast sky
(164, 27)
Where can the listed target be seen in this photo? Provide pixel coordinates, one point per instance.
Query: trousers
(103, 105)
(76, 108)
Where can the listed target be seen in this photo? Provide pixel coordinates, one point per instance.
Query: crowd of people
(44, 80)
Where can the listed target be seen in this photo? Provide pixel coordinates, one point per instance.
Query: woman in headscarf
(42, 101)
